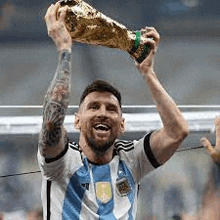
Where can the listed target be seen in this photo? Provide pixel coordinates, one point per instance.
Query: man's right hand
(56, 27)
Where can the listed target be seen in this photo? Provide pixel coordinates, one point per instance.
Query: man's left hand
(152, 39)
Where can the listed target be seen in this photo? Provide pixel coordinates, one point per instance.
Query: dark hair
(100, 86)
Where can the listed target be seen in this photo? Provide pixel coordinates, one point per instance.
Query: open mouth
(102, 127)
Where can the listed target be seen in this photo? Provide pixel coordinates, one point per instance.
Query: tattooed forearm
(55, 104)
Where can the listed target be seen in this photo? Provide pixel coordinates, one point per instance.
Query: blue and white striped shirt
(74, 188)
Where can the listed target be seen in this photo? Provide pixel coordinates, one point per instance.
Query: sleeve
(148, 151)
(64, 164)
(141, 159)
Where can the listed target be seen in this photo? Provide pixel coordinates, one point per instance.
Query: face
(100, 120)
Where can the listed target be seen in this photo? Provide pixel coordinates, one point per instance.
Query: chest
(103, 183)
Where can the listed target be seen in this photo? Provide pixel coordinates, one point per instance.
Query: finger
(154, 35)
(150, 32)
(57, 5)
(52, 12)
(63, 14)
(48, 12)
(150, 42)
(206, 143)
(217, 127)
(147, 28)
(50, 17)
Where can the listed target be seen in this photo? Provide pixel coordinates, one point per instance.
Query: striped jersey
(74, 188)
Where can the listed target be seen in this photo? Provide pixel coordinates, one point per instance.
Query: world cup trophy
(87, 25)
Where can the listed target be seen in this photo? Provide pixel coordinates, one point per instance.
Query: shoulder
(71, 148)
(123, 145)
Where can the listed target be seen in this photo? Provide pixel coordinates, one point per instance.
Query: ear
(77, 121)
(122, 126)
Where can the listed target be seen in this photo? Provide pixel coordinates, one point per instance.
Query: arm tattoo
(55, 104)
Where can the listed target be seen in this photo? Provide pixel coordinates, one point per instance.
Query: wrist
(65, 54)
(64, 45)
(65, 49)
(147, 72)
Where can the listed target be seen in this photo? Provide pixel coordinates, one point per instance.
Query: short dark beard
(99, 150)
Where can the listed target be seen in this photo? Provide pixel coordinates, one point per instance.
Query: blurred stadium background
(187, 64)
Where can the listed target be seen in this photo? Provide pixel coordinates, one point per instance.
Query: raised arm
(53, 137)
(165, 141)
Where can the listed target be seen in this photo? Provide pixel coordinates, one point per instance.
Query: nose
(102, 111)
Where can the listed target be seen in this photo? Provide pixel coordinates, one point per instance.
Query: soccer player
(98, 177)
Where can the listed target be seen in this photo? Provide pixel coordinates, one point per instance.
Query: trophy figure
(87, 25)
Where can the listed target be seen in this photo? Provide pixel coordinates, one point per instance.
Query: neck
(94, 156)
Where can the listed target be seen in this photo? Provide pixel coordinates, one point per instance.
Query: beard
(99, 147)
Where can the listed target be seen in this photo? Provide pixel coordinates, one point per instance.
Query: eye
(112, 108)
(94, 106)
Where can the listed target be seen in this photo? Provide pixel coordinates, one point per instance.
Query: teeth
(102, 127)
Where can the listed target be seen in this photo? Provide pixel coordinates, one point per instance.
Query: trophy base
(139, 50)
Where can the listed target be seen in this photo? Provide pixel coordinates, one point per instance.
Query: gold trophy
(87, 25)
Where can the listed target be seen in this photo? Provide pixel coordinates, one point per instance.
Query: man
(98, 177)
(211, 200)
